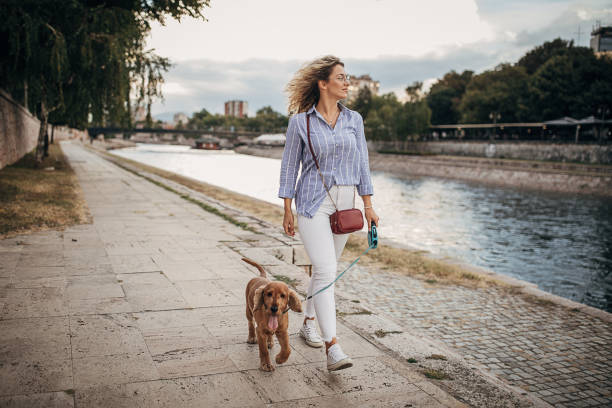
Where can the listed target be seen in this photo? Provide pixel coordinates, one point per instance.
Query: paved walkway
(561, 356)
(145, 308)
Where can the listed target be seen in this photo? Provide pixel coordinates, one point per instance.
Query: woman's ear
(322, 84)
(294, 302)
(258, 298)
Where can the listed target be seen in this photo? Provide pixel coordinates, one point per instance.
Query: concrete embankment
(537, 175)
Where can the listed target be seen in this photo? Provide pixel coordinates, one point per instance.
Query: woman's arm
(290, 163)
(365, 181)
(365, 187)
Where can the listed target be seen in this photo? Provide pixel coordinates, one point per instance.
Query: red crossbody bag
(341, 221)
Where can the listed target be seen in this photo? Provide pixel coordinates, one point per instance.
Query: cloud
(414, 43)
(261, 82)
(238, 30)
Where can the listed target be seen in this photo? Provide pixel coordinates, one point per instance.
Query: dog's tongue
(273, 322)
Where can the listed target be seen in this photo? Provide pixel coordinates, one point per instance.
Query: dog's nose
(274, 309)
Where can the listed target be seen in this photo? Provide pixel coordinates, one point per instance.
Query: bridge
(220, 133)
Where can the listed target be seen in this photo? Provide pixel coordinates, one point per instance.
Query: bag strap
(315, 160)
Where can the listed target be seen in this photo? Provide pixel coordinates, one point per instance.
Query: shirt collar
(312, 108)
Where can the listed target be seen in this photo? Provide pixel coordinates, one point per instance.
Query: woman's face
(337, 84)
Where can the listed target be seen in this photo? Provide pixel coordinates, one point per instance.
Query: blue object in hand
(373, 236)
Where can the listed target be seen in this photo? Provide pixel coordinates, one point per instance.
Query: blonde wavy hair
(303, 89)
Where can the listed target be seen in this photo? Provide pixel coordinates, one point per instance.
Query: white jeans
(324, 249)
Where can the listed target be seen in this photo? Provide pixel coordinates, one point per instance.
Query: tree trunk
(43, 128)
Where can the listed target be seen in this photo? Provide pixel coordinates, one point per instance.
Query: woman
(339, 144)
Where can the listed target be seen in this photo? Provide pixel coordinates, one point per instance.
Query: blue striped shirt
(341, 151)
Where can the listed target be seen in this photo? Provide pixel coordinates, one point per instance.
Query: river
(561, 242)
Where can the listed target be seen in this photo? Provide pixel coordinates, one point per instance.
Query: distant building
(601, 40)
(363, 81)
(238, 109)
(180, 118)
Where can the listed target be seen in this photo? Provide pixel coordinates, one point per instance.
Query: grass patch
(437, 357)
(436, 374)
(411, 360)
(414, 263)
(382, 333)
(35, 199)
(289, 281)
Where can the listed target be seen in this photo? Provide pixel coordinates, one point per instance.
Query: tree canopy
(552, 80)
(83, 62)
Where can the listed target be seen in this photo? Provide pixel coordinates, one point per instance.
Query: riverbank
(524, 174)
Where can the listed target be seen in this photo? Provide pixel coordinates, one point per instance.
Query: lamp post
(603, 111)
(495, 116)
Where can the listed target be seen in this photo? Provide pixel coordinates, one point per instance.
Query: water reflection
(561, 242)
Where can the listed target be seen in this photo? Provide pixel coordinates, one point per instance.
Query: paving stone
(374, 400)
(186, 270)
(206, 293)
(195, 361)
(93, 287)
(169, 339)
(45, 400)
(30, 377)
(227, 390)
(102, 335)
(45, 338)
(167, 319)
(34, 302)
(113, 369)
(100, 306)
(133, 263)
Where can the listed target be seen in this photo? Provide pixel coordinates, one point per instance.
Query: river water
(561, 242)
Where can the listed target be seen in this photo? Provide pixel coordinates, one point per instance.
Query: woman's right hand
(288, 223)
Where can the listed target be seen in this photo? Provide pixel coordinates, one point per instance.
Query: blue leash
(373, 244)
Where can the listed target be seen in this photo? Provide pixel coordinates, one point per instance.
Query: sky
(250, 49)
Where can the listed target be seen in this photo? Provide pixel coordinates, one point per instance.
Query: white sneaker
(309, 333)
(336, 359)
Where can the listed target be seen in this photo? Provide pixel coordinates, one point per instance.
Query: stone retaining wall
(587, 153)
(19, 131)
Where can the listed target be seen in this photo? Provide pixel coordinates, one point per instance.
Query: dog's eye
(283, 295)
(269, 293)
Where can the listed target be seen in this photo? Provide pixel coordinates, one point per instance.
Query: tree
(68, 60)
(445, 95)
(502, 90)
(363, 102)
(537, 57)
(573, 84)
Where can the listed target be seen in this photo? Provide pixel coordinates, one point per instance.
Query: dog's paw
(252, 340)
(280, 359)
(267, 367)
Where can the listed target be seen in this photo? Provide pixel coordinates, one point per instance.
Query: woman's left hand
(370, 215)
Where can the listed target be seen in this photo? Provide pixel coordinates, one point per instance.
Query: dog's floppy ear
(294, 302)
(258, 298)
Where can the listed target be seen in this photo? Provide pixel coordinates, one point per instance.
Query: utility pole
(579, 34)
(495, 116)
